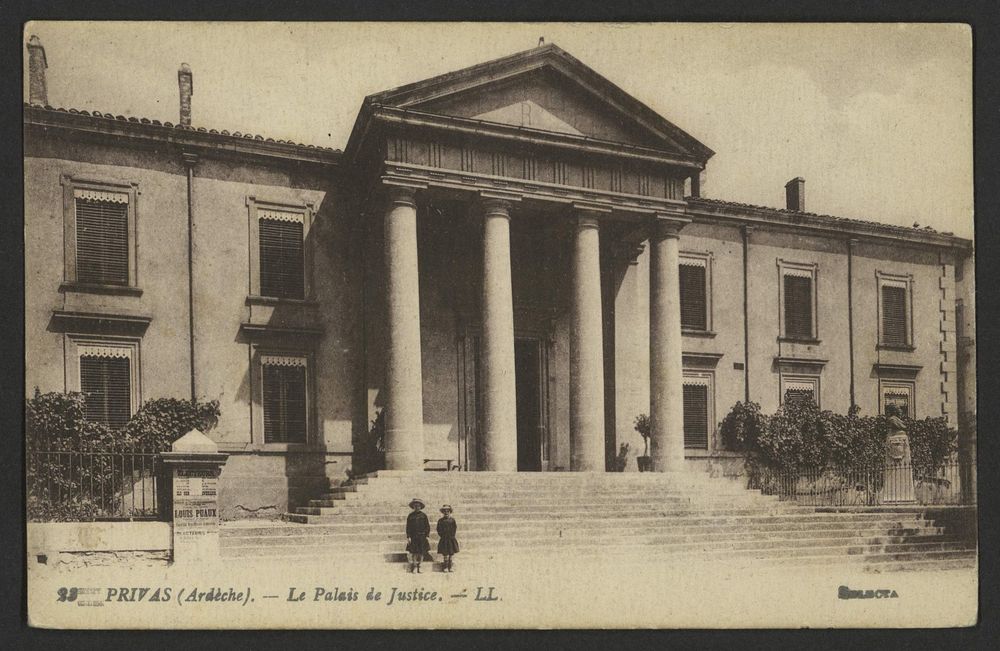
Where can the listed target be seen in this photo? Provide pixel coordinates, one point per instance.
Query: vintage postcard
(469, 325)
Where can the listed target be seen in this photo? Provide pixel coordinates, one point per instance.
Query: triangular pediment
(548, 90)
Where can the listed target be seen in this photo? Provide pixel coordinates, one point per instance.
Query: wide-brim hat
(417, 500)
(446, 508)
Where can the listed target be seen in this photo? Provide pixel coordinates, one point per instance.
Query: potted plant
(622, 459)
(642, 426)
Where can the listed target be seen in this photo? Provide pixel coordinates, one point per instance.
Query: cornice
(600, 200)
(753, 217)
(188, 139)
(469, 127)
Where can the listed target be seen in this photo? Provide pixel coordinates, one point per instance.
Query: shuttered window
(894, 315)
(696, 416)
(102, 241)
(106, 383)
(284, 400)
(281, 259)
(798, 307)
(694, 299)
(800, 390)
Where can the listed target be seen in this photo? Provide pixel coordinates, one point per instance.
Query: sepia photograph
(499, 325)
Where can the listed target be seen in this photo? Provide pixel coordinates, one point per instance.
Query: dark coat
(417, 530)
(446, 530)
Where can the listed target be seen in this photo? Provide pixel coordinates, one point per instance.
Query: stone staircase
(668, 516)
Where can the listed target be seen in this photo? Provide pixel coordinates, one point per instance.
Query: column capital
(628, 251)
(497, 204)
(667, 225)
(398, 193)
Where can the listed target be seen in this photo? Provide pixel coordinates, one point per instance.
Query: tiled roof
(793, 216)
(169, 125)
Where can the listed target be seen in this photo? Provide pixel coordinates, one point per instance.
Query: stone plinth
(195, 463)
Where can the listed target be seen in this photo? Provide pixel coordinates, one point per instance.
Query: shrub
(741, 428)
(645, 429)
(161, 422)
(85, 484)
(799, 435)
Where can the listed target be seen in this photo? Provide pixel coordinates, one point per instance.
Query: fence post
(195, 462)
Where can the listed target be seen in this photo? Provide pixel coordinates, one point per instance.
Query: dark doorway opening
(528, 382)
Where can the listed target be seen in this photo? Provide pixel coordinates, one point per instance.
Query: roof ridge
(804, 213)
(180, 127)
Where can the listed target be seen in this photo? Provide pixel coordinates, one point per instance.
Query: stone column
(499, 444)
(666, 392)
(404, 432)
(586, 374)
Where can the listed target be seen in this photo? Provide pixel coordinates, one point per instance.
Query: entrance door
(528, 382)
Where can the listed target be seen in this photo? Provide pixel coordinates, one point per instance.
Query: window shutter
(800, 394)
(894, 315)
(798, 307)
(284, 403)
(101, 242)
(696, 416)
(281, 262)
(106, 382)
(693, 297)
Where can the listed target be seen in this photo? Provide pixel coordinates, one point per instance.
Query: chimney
(37, 91)
(795, 194)
(185, 83)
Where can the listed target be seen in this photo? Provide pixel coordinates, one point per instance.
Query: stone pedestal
(897, 485)
(195, 464)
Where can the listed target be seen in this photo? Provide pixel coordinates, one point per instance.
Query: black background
(984, 17)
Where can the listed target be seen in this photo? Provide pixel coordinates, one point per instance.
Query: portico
(575, 177)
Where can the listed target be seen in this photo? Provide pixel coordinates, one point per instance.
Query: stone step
(805, 550)
(673, 519)
(872, 533)
(851, 544)
(652, 535)
(648, 537)
(373, 514)
(431, 497)
(502, 508)
(597, 519)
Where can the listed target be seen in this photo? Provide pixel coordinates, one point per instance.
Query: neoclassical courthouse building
(511, 261)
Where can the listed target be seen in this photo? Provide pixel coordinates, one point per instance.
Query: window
(279, 257)
(695, 282)
(99, 234)
(101, 237)
(894, 292)
(696, 416)
(106, 374)
(284, 389)
(897, 393)
(798, 301)
(799, 389)
(699, 408)
(281, 274)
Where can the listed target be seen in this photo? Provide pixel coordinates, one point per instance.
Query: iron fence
(83, 483)
(882, 485)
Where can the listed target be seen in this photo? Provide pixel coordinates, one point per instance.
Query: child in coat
(417, 530)
(447, 545)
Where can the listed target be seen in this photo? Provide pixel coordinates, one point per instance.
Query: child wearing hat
(447, 545)
(417, 530)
